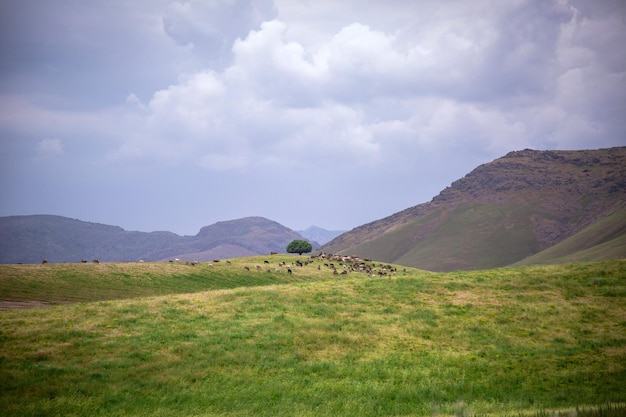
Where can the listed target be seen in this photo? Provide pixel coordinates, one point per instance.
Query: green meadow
(247, 338)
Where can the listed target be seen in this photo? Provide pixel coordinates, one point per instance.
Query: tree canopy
(299, 246)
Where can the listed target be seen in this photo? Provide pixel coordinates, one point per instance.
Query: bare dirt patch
(15, 305)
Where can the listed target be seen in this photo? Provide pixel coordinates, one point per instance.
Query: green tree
(299, 246)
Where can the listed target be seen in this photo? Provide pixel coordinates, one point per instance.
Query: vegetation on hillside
(299, 246)
(505, 211)
(532, 340)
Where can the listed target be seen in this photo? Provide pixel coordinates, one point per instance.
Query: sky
(172, 115)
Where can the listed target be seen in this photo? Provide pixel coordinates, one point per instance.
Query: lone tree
(299, 246)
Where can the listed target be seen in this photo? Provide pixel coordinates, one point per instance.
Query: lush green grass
(471, 236)
(605, 239)
(63, 283)
(496, 342)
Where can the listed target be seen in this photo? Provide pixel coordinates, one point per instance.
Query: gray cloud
(331, 97)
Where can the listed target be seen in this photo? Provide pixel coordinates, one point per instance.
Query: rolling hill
(30, 239)
(527, 207)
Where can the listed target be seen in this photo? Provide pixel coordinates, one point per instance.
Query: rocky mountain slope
(30, 239)
(504, 212)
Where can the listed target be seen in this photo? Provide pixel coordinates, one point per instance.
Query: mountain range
(30, 239)
(524, 208)
(527, 207)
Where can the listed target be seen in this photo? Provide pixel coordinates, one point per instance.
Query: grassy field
(173, 339)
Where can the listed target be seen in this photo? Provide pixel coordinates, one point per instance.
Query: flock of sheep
(339, 264)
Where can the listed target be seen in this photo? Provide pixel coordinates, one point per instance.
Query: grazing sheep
(247, 268)
(45, 261)
(95, 261)
(273, 253)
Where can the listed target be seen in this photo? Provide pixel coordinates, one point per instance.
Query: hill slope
(29, 239)
(503, 212)
(226, 341)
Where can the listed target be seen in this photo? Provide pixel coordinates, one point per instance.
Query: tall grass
(495, 342)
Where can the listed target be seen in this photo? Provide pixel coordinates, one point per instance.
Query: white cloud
(488, 83)
(49, 147)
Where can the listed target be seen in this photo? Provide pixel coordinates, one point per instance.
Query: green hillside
(461, 239)
(605, 239)
(515, 341)
(505, 211)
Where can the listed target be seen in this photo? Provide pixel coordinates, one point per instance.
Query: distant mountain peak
(319, 234)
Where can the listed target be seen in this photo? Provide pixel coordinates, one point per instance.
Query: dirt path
(14, 305)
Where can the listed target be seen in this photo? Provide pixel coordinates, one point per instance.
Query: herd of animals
(339, 264)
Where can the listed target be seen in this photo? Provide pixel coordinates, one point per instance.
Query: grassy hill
(605, 239)
(505, 211)
(231, 339)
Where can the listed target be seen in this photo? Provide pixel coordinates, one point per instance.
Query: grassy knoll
(69, 283)
(495, 342)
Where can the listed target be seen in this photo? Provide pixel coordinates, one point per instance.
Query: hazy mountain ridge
(30, 239)
(319, 234)
(500, 213)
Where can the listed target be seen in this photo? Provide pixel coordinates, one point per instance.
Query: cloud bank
(325, 113)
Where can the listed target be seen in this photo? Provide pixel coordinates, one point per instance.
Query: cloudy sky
(172, 115)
